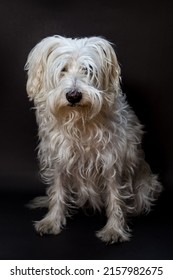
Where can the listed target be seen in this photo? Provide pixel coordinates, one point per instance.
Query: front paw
(112, 235)
(47, 226)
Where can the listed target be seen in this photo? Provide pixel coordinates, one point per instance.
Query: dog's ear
(109, 63)
(36, 64)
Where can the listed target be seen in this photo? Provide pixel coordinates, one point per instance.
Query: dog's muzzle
(74, 97)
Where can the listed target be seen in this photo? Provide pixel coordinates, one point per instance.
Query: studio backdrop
(141, 34)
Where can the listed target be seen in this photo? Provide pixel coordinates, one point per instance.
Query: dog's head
(73, 75)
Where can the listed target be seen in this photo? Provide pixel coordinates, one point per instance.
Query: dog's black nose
(74, 96)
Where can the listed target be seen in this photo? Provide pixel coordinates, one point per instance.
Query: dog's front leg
(55, 218)
(115, 229)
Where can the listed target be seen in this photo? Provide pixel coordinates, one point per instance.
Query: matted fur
(89, 151)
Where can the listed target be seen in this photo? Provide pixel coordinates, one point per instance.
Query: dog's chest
(83, 159)
(86, 155)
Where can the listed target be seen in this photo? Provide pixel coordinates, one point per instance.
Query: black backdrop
(142, 33)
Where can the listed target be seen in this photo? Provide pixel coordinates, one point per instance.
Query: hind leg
(147, 189)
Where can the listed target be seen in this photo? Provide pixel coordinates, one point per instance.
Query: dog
(90, 139)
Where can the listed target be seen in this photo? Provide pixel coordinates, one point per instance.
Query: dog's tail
(38, 202)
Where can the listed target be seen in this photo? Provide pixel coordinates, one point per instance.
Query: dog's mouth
(74, 105)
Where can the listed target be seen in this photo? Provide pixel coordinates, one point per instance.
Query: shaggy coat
(90, 139)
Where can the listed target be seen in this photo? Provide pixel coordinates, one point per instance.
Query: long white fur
(90, 153)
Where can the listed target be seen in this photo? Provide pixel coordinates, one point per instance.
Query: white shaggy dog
(90, 139)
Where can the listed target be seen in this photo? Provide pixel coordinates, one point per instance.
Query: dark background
(142, 32)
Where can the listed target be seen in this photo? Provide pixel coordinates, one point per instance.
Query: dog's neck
(84, 129)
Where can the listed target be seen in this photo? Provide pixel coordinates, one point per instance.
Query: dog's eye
(64, 69)
(87, 70)
(91, 68)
